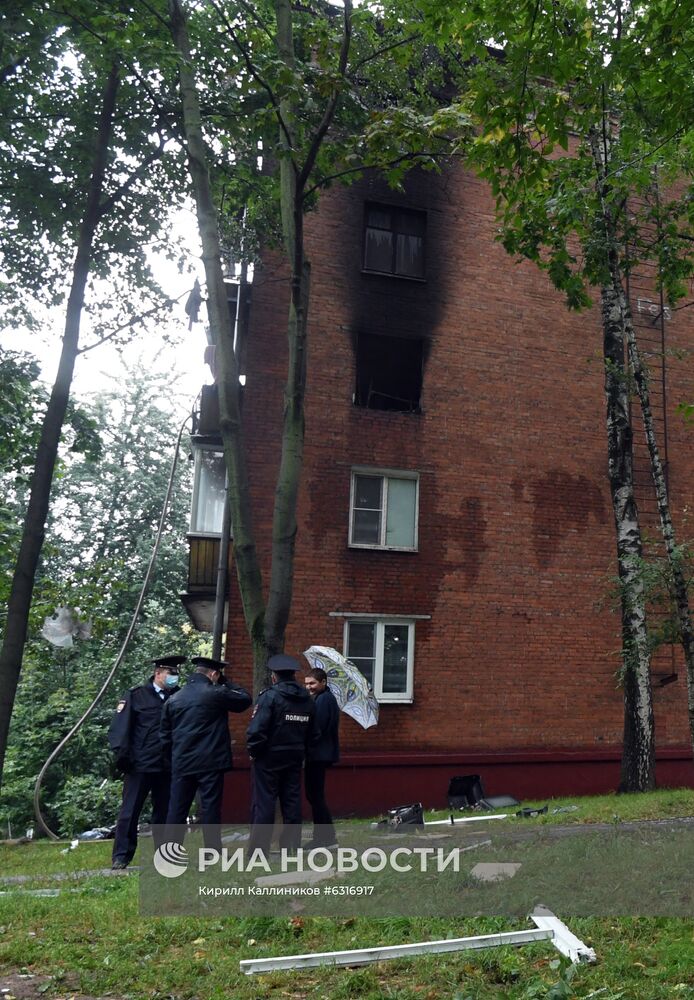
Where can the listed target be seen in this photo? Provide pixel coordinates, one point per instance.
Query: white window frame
(405, 697)
(217, 449)
(384, 474)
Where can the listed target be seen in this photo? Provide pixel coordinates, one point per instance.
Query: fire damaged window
(394, 241)
(389, 373)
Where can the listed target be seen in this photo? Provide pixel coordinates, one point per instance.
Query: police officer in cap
(282, 728)
(195, 733)
(134, 738)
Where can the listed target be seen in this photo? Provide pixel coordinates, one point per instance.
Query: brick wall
(516, 538)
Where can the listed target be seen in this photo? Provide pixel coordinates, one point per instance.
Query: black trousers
(210, 785)
(314, 786)
(136, 787)
(268, 784)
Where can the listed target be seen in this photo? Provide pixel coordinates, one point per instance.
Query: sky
(99, 369)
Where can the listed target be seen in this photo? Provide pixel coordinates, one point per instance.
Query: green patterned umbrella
(347, 683)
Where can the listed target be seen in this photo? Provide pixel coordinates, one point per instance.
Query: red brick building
(456, 535)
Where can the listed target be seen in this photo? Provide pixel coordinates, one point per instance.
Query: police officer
(134, 738)
(282, 728)
(195, 733)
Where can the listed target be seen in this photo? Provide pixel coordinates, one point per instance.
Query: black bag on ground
(403, 816)
(465, 791)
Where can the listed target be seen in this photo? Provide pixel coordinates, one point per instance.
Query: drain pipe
(241, 327)
(222, 574)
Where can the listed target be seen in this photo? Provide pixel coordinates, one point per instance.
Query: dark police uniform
(195, 733)
(134, 738)
(324, 753)
(282, 728)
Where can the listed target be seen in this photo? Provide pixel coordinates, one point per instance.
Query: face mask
(171, 680)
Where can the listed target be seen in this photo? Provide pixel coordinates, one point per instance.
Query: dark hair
(203, 668)
(318, 674)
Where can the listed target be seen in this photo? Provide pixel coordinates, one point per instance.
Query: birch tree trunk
(22, 588)
(679, 585)
(638, 750)
(245, 551)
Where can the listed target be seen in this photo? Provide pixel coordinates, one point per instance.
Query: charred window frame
(394, 241)
(389, 373)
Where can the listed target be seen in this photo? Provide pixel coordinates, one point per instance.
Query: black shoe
(119, 866)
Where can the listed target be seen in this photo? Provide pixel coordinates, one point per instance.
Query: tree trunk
(266, 627)
(287, 487)
(21, 592)
(638, 750)
(245, 553)
(679, 584)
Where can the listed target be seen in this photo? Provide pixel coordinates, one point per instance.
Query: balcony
(209, 491)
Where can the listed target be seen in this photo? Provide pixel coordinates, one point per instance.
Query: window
(384, 509)
(209, 489)
(394, 241)
(383, 650)
(389, 373)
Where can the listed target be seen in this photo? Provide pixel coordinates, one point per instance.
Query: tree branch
(155, 13)
(151, 157)
(428, 155)
(644, 156)
(166, 304)
(251, 13)
(250, 66)
(384, 49)
(131, 67)
(331, 106)
(7, 71)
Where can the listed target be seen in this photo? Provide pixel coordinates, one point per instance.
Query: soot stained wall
(516, 539)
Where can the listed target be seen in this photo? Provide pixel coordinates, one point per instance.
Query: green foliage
(59, 58)
(659, 588)
(555, 77)
(20, 418)
(82, 804)
(106, 509)
(386, 114)
(20, 428)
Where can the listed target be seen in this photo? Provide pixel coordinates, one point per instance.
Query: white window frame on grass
(380, 624)
(386, 476)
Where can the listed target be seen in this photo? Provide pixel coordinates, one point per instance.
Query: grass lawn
(89, 940)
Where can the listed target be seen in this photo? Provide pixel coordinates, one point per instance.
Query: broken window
(389, 373)
(394, 241)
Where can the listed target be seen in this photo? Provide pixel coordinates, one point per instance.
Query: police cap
(280, 663)
(168, 662)
(208, 663)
